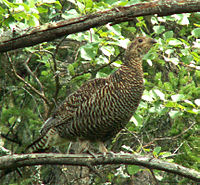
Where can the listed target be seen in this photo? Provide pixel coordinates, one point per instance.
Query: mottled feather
(100, 108)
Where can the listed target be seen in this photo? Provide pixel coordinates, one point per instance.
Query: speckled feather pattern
(100, 108)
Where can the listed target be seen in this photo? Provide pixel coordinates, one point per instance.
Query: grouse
(100, 108)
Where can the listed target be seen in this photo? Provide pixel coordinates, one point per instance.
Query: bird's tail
(41, 144)
(37, 146)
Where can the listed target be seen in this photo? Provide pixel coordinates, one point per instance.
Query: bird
(101, 107)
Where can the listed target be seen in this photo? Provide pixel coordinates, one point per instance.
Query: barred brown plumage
(100, 108)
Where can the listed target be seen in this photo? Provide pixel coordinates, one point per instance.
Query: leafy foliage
(166, 122)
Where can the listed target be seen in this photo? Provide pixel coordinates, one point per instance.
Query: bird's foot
(92, 153)
(109, 154)
(113, 154)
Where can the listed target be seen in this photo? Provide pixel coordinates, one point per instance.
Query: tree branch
(38, 82)
(21, 160)
(170, 138)
(114, 16)
(41, 94)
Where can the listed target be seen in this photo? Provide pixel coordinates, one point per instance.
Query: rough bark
(13, 161)
(114, 16)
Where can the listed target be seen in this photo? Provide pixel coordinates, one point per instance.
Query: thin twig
(191, 66)
(136, 139)
(36, 104)
(170, 138)
(32, 74)
(154, 177)
(179, 147)
(94, 170)
(26, 83)
(37, 80)
(5, 136)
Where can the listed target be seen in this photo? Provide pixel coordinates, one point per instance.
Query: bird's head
(139, 47)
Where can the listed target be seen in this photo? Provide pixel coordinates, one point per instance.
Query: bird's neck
(130, 72)
(133, 61)
(128, 85)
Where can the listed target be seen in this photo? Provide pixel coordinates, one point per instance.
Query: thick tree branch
(113, 16)
(14, 161)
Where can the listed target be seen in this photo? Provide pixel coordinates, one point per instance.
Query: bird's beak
(153, 41)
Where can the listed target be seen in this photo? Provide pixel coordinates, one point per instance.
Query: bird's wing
(67, 109)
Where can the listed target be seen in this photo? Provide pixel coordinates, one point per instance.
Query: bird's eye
(140, 40)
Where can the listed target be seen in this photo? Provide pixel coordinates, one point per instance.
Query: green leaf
(175, 61)
(44, 73)
(177, 97)
(42, 9)
(132, 29)
(154, 20)
(159, 94)
(116, 29)
(89, 3)
(189, 102)
(70, 68)
(102, 60)
(173, 114)
(123, 43)
(26, 7)
(175, 42)
(70, 14)
(165, 154)
(101, 75)
(147, 96)
(108, 50)
(89, 51)
(156, 151)
(170, 104)
(193, 111)
(72, 1)
(137, 120)
(168, 35)
(80, 6)
(169, 51)
(182, 19)
(10, 5)
(196, 32)
(133, 169)
(197, 102)
(12, 120)
(159, 29)
(33, 21)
